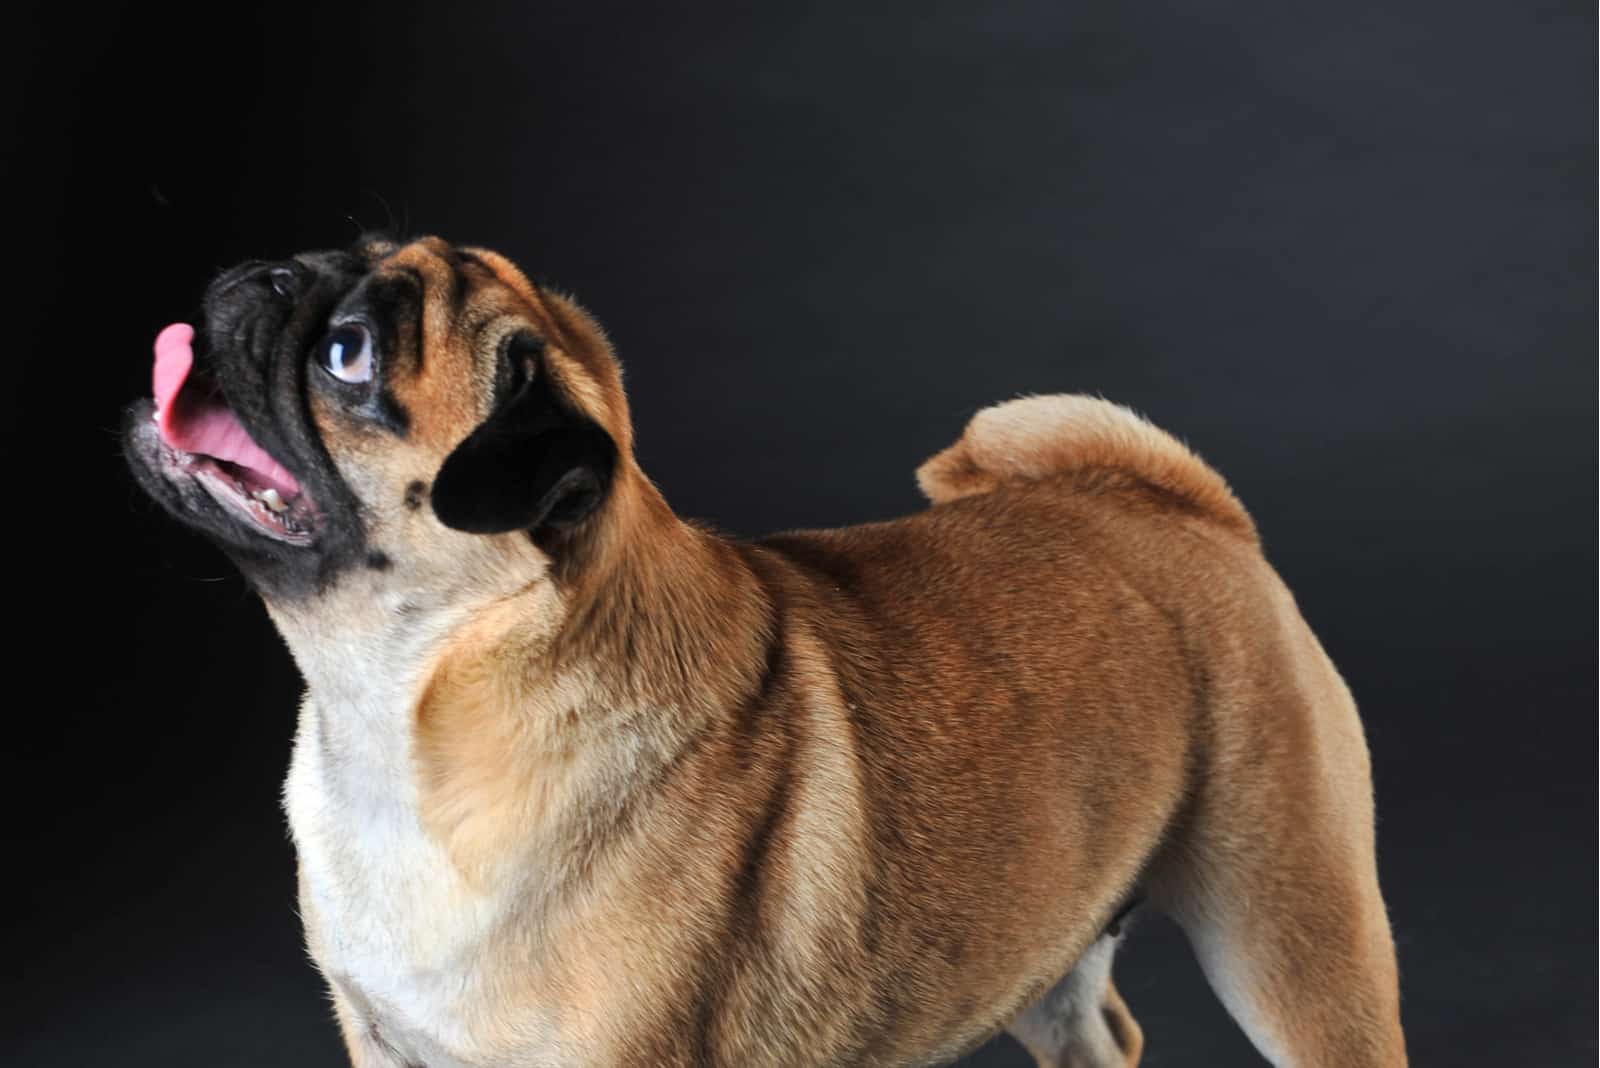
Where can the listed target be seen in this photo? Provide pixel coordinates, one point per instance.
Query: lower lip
(228, 490)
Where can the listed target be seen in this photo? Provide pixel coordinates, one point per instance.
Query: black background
(1346, 250)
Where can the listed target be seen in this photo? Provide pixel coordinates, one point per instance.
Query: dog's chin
(241, 506)
(287, 549)
(270, 518)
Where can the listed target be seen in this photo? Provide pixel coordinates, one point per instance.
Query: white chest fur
(393, 922)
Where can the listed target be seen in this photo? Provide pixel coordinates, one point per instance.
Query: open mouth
(206, 442)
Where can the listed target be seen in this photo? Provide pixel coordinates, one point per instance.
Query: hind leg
(1275, 884)
(1081, 1022)
(1306, 968)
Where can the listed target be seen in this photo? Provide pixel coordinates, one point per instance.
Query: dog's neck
(662, 630)
(484, 711)
(666, 612)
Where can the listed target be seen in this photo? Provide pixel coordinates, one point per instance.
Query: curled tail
(1067, 434)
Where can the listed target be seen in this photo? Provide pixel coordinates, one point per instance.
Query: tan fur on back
(1065, 434)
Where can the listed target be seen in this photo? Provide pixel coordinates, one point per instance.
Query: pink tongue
(204, 425)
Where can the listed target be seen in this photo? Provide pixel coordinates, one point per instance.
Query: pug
(580, 783)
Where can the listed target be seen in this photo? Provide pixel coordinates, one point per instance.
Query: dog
(579, 783)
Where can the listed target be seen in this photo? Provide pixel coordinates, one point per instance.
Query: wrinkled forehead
(447, 315)
(437, 262)
(442, 317)
(445, 292)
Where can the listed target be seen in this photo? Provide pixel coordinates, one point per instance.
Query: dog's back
(1073, 679)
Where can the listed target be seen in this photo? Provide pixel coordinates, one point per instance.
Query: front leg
(362, 1040)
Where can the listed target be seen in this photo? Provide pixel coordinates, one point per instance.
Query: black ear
(535, 463)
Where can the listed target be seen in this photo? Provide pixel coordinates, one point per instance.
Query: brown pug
(580, 783)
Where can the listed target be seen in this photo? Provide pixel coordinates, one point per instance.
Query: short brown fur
(862, 796)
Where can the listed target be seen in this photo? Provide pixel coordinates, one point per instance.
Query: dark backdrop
(1346, 250)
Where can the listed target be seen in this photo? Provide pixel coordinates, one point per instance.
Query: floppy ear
(536, 463)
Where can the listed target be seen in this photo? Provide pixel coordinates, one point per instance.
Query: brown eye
(346, 353)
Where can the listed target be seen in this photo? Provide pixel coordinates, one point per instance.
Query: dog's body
(625, 792)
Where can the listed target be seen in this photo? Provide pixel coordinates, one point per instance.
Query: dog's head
(385, 407)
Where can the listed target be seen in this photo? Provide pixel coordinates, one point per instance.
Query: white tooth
(271, 499)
